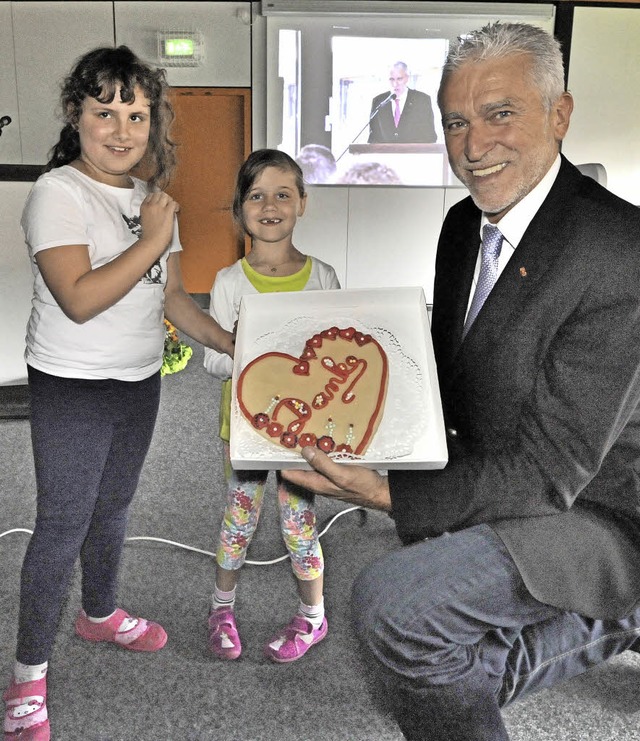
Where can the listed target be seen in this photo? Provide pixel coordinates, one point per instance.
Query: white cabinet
(40, 42)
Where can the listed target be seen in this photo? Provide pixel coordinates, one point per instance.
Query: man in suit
(531, 570)
(408, 117)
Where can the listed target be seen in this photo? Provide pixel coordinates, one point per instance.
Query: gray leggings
(90, 439)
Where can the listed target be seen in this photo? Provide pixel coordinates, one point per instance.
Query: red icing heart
(332, 396)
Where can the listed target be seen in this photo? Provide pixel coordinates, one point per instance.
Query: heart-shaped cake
(332, 396)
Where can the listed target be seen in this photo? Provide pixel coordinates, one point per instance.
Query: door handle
(4, 121)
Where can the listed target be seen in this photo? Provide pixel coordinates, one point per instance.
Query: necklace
(275, 268)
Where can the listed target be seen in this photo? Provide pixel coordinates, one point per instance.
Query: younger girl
(105, 253)
(269, 198)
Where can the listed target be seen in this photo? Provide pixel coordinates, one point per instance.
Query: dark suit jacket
(415, 125)
(541, 400)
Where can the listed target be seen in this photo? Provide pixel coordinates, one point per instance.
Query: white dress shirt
(515, 222)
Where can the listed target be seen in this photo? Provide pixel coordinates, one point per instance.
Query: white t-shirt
(126, 340)
(231, 284)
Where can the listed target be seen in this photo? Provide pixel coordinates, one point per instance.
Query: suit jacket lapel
(386, 119)
(457, 253)
(406, 110)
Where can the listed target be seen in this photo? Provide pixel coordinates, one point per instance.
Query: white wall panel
(225, 28)
(322, 231)
(393, 235)
(604, 77)
(49, 37)
(10, 149)
(452, 196)
(16, 281)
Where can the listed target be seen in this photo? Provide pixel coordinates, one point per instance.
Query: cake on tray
(331, 396)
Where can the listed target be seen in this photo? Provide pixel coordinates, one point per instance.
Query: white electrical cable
(208, 553)
(16, 530)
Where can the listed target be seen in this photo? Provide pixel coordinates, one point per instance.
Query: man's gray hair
(499, 40)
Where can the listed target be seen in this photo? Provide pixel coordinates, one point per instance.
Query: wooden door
(213, 130)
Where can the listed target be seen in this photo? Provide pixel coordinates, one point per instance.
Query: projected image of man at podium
(404, 115)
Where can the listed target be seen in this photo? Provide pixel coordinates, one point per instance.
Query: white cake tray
(411, 433)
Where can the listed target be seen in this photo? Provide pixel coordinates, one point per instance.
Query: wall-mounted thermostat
(180, 48)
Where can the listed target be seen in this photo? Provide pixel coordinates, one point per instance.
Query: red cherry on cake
(344, 448)
(288, 439)
(307, 438)
(326, 444)
(260, 420)
(274, 429)
(347, 333)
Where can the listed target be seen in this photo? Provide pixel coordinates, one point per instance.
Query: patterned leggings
(245, 490)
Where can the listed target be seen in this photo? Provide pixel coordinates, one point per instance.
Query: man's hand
(354, 484)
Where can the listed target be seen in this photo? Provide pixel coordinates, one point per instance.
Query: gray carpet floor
(102, 693)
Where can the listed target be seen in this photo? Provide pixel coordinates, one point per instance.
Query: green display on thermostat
(178, 47)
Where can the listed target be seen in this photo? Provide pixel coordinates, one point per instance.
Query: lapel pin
(523, 272)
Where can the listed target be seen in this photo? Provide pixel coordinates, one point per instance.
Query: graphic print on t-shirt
(154, 274)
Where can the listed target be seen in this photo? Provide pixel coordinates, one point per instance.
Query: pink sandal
(143, 635)
(294, 640)
(224, 640)
(25, 717)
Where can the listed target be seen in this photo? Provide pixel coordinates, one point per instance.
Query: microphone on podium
(388, 99)
(374, 113)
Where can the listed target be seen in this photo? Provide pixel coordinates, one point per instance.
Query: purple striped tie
(491, 246)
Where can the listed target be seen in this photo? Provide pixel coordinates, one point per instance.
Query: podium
(388, 153)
